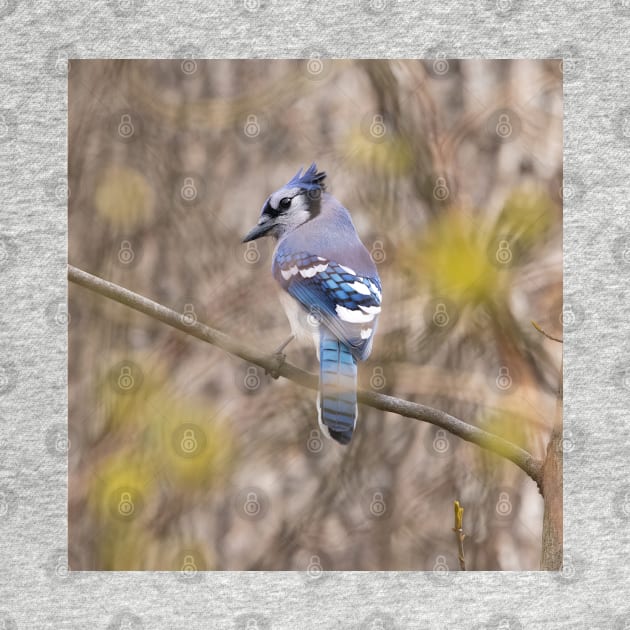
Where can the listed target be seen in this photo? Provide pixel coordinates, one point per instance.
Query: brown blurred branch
(270, 362)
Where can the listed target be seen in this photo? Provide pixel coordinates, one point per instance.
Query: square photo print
(315, 315)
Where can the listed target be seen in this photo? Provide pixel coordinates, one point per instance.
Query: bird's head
(295, 203)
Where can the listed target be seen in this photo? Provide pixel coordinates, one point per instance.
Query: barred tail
(337, 403)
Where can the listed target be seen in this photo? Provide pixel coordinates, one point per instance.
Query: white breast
(302, 326)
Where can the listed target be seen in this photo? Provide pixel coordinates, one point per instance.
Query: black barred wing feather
(349, 303)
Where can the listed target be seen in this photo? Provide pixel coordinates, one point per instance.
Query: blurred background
(183, 457)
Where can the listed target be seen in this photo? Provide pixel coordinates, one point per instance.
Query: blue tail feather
(337, 388)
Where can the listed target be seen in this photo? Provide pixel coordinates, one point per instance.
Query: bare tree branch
(458, 528)
(272, 364)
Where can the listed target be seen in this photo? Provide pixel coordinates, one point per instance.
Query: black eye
(285, 203)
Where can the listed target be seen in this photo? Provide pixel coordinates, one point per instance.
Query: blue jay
(330, 288)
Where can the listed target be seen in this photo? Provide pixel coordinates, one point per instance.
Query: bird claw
(279, 358)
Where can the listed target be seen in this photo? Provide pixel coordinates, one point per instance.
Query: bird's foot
(279, 359)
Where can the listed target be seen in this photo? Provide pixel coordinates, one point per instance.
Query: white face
(289, 216)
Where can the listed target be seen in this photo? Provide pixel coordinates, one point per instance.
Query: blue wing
(347, 303)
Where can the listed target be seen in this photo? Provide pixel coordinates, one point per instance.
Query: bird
(330, 289)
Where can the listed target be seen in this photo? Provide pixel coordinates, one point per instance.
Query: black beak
(258, 231)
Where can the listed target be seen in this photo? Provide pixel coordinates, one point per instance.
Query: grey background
(36, 591)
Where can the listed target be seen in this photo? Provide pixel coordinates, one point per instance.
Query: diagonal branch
(270, 362)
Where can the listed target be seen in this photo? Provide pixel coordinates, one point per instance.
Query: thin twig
(272, 364)
(542, 332)
(459, 534)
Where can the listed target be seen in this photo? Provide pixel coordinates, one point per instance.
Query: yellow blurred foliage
(390, 155)
(453, 258)
(124, 197)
